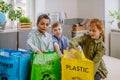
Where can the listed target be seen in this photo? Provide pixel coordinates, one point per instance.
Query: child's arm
(67, 43)
(75, 42)
(34, 48)
(50, 45)
(99, 54)
(57, 49)
(30, 43)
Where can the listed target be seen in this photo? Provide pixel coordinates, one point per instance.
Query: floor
(113, 66)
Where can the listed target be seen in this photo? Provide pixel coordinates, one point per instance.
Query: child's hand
(72, 55)
(43, 50)
(38, 52)
(57, 49)
(79, 48)
(71, 50)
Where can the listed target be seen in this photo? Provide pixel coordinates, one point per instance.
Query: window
(23, 4)
(27, 7)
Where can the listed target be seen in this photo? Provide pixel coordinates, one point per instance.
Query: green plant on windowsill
(115, 15)
(24, 20)
(24, 23)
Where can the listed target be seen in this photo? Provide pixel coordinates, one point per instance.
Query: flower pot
(24, 26)
(119, 25)
(3, 27)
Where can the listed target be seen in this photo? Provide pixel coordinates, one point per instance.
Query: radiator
(115, 44)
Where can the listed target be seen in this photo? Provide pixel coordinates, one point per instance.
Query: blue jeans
(97, 76)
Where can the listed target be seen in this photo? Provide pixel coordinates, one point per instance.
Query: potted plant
(8, 9)
(14, 14)
(24, 23)
(115, 16)
(24, 20)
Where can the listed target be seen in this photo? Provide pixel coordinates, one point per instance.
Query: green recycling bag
(46, 66)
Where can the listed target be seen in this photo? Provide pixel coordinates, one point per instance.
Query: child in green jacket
(93, 47)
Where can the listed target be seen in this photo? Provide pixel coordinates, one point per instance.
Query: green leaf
(118, 17)
(111, 22)
(24, 20)
(115, 15)
(111, 13)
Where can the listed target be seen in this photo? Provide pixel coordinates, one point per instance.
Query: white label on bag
(4, 54)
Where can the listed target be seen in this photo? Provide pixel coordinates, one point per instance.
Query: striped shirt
(39, 41)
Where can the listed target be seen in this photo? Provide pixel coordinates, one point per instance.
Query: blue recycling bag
(14, 65)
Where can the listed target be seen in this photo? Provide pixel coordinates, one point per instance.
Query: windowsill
(8, 30)
(14, 30)
(117, 30)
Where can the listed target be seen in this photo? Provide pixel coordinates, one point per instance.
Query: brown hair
(99, 25)
(43, 16)
(56, 24)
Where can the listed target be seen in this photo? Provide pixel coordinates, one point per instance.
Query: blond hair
(56, 24)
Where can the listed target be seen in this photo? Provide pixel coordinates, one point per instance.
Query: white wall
(40, 7)
(109, 5)
(68, 6)
(31, 11)
(73, 8)
(91, 8)
(112, 6)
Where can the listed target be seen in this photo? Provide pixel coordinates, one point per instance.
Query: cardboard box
(77, 27)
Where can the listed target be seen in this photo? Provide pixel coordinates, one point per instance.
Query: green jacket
(93, 50)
